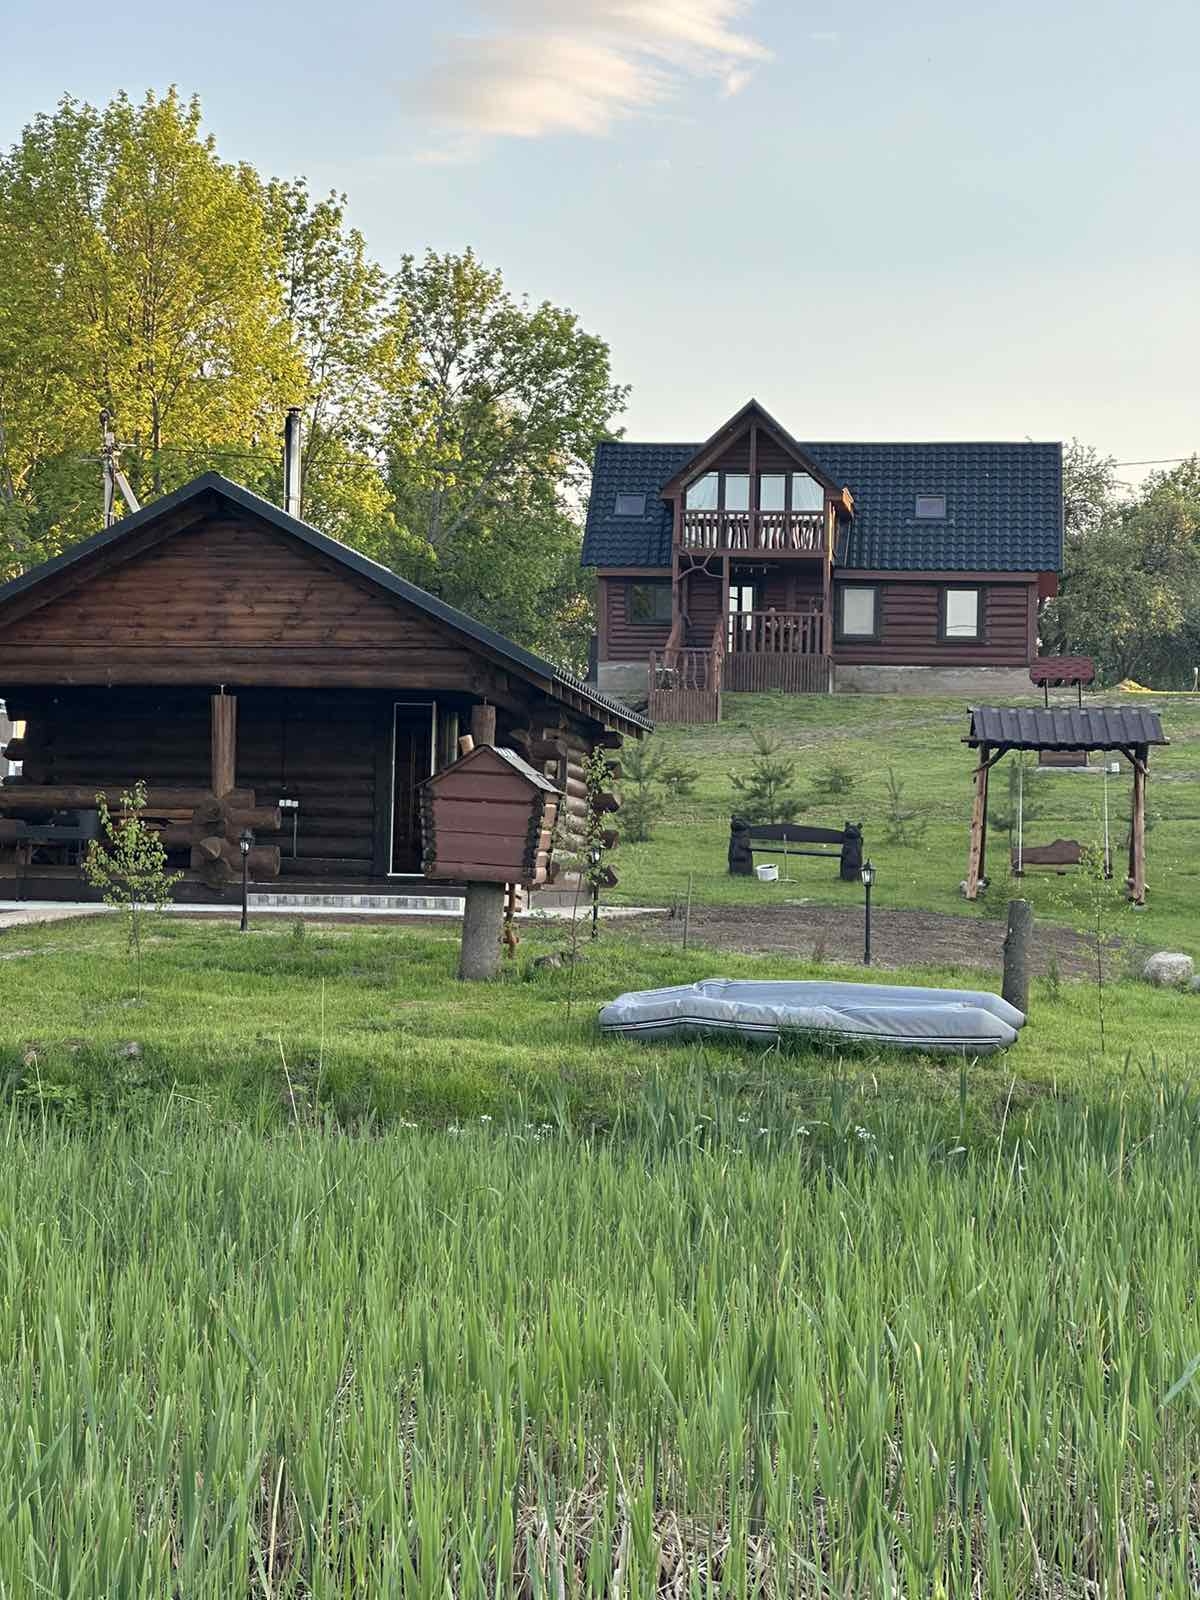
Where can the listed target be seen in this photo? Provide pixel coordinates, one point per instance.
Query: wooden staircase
(685, 680)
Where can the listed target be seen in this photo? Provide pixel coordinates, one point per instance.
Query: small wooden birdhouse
(488, 819)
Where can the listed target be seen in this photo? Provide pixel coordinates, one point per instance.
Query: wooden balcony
(779, 533)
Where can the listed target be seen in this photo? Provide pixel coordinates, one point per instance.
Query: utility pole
(114, 478)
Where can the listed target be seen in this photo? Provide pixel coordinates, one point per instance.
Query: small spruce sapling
(906, 824)
(764, 791)
(1024, 796)
(641, 802)
(678, 780)
(128, 865)
(833, 779)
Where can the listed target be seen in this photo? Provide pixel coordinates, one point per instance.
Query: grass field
(698, 1357)
(323, 1275)
(921, 740)
(369, 1023)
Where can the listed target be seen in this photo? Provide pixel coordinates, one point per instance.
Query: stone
(1169, 969)
(1194, 986)
(130, 1051)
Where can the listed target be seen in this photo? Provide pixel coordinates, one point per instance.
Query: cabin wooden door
(414, 732)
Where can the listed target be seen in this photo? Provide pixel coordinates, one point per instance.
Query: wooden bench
(788, 839)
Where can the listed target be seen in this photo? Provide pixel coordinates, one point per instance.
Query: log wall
(909, 615)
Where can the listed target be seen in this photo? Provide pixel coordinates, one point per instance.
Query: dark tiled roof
(613, 541)
(1065, 728)
(1003, 505)
(212, 483)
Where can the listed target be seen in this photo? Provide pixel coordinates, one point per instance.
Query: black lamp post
(245, 840)
(868, 879)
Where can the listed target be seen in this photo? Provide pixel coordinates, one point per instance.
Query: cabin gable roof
(712, 450)
(146, 532)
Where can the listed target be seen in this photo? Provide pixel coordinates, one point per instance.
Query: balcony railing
(736, 532)
(778, 633)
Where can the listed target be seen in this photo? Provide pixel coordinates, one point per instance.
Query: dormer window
(631, 505)
(931, 508)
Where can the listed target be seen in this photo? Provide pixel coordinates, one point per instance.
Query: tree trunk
(483, 929)
(1017, 941)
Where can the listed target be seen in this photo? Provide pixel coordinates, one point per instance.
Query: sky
(937, 220)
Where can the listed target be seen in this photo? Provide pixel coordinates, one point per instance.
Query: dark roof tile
(1003, 505)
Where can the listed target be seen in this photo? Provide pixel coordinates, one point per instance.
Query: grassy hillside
(921, 741)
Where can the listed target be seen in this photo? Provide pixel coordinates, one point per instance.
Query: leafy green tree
(347, 325)
(490, 445)
(140, 277)
(1131, 591)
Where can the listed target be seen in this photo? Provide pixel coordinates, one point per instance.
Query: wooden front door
(414, 731)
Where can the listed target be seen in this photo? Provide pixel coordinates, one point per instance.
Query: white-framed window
(807, 493)
(702, 495)
(858, 611)
(737, 491)
(772, 491)
(962, 614)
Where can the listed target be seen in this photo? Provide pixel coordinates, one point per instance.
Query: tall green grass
(699, 1355)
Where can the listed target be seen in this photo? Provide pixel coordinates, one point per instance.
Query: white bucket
(767, 873)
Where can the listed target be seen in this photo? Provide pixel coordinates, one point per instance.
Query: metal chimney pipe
(291, 462)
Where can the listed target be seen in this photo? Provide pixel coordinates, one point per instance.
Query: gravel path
(898, 938)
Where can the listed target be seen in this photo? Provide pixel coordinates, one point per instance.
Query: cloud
(539, 67)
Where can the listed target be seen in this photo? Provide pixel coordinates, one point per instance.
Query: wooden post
(754, 532)
(1017, 940)
(483, 930)
(1137, 829)
(975, 859)
(224, 742)
(483, 724)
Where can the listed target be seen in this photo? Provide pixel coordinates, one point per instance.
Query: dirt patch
(898, 938)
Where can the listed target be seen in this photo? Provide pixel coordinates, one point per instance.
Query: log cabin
(255, 674)
(755, 562)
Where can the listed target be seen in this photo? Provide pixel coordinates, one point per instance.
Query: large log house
(234, 658)
(755, 562)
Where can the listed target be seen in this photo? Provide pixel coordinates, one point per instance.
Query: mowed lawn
(921, 741)
(370, 1023)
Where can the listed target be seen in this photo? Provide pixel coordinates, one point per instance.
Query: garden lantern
(868, 879)
(245, 844)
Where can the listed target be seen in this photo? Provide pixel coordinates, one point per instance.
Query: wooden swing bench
(787, 838)
(1060, 855)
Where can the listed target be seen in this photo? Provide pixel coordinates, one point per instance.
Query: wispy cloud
(538, 67)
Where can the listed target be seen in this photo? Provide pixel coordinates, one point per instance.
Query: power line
(1162, 461)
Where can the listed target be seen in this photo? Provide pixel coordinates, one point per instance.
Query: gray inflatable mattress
(866, 1013)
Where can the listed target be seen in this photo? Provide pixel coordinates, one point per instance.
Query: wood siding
(237, 601)
(703, 601)
(909, 623)
(624, 640)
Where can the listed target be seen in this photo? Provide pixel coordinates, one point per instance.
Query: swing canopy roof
(1064, 727)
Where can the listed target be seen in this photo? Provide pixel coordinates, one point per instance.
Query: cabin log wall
(909, 619)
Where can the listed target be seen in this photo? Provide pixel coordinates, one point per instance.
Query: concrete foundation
(977, 683)
(624, 680)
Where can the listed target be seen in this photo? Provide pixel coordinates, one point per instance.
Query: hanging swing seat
(1060, 855)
